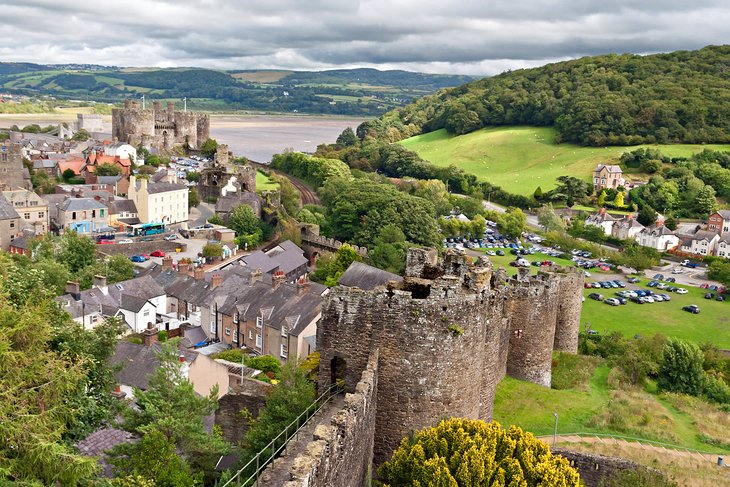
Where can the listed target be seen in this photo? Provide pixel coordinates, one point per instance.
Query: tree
(209, 148)
(347, 138)
(81, 135)
(572, 186)
(170, 409)
(461, 452)
(537, 194)
(670, 223)
(619, 200)
(68, 174)
(569, 201)
(390, 250)
(37, 390)
(706, 202)
(107, 170)
(329, 271)
(601, 198)
(719, 270)
(513, 222)
(549, 220)
(193, 198)
(192, 176)
(213, 251)
(215, 219)
(243, 220)
(650, 166)
(76, 251)
(647, 216)
(681, 369)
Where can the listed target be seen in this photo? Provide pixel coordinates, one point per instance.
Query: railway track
(308, 196)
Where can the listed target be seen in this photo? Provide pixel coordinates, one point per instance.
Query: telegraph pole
(185, 104)
(143, 105)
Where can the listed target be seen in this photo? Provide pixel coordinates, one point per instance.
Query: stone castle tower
(223, 178)
(160, 129)
(445, 337)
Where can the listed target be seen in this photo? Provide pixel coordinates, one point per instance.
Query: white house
(124, 151)
(657, 237)
(703, 242)
(627, 228)
(159, 202)
(603, 220)
(723, 247)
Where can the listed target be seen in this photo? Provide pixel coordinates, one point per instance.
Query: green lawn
(642, 414)
(504, 260)
(519, 159)
(711, 325)
(264, 183)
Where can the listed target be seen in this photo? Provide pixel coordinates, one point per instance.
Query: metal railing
(632, 439)
(249, 474)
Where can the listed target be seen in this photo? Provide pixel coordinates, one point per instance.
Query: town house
(607, 176)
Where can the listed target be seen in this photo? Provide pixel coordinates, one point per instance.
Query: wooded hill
(626, 99)
(366, 92)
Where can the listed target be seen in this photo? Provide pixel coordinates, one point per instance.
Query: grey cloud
(471, 36)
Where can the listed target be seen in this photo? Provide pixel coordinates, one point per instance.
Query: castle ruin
(162, 130)
(445, 337)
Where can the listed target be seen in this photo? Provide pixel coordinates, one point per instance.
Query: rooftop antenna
(185, 104)
(143, 105)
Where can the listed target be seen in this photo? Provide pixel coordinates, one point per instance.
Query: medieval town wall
(596, 470)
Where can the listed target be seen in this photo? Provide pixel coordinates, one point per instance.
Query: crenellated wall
(447, 335)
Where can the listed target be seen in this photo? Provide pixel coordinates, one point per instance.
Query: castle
(432, 346)
(163, 130)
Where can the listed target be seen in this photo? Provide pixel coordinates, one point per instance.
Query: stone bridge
(313, 243)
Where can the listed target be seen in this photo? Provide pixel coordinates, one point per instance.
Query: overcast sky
(444, 36)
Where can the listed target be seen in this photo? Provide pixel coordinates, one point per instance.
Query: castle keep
(444, 338)
(160, 129)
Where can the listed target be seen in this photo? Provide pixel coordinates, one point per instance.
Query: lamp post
(555, 432)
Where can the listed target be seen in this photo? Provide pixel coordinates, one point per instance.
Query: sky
(477, 37)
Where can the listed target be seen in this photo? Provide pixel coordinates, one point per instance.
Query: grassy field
(594, 407)
(711, 325)
(504, 260)
(264, 183)
(519, 159)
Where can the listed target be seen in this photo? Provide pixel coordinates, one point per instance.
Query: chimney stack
(149, 336)
(278, 279)
(198, 273)
(181, 357)
(100, 283)
(303, 285)
(167, 262)
(216, 281)
(72, 288)
(255, 277)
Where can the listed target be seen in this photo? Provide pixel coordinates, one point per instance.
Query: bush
(162, 336)
(232, 355)
(264, 363)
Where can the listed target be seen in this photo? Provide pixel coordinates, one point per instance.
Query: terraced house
(32, 209)
(159, 202)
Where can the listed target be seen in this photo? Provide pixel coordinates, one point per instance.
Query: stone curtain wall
(340, 453)
(594, 469)
(251, 395)
(446, 336)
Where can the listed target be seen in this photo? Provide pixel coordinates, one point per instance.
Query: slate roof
(611, 168)
(44, 163)
(102, 440)
(108, 179)
(117, 206)
(155, 188)
(704, 235)
(226, 204)
(657, 230)
(20, 242)
(139, 361)
(598, 218)
(366, 277)
(7, 211)
(725, 214)
(80, 204)
(285, 257)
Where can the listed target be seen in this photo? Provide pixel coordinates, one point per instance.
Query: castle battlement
(446, 335)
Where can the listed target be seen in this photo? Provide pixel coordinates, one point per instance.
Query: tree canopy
(462, 452)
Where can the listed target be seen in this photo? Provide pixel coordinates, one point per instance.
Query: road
(201, 214)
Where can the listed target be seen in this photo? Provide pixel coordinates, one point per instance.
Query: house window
(284, 331)
(146, 312)
(235, 336)
(235, 318)
(284, 351)
(41, 214)
(228, 331)
(250, 334)
(93, 213)
(259, 322)
(26, 216)
(73, 215)
(258, 341)
(212, 326)
(12, 224)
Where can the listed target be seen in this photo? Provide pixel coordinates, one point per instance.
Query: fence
(249, 474)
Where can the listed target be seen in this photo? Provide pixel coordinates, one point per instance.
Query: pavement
(199, 215)
(194, 246)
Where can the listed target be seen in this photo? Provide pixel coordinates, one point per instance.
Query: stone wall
(596, 468)
(447, 335)
(251, 394)
(570, 304)
(143, 248)
(311, 236)
(340, 453)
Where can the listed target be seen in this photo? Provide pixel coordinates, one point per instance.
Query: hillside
(519, 159)
(366, 92)
(680, 97)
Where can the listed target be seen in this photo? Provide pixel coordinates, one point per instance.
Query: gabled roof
(725, 214)
(366, 277)
(612, 168)
(139, 361)
(705, 235)
(7, 212)
(117, 206)
(80, 204)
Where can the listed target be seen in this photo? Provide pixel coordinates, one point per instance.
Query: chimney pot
(72, 288)
(182, 358)
(149, 336)
(198, 273)
(216, 281)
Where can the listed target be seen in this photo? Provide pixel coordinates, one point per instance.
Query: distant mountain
(366, 92)
(626, 99)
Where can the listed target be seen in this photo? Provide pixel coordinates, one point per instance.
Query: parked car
(596, 296)
(709, 295)
(670, 279)
(677, 270)
(158, 253)
(612, 302)
(126, 241)
(720, 297)
(692, 308)
(622, 300)
(658, 277)
(137, 258)
(665, 297)
(637, 300)
(172, 236)
(688, 263)
(681, 290)
(500, 252)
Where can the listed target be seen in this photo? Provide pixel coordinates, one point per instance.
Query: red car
(158, 253)
(104, 242)
(146, 256)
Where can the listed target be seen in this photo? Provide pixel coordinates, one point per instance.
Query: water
(258, 137)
